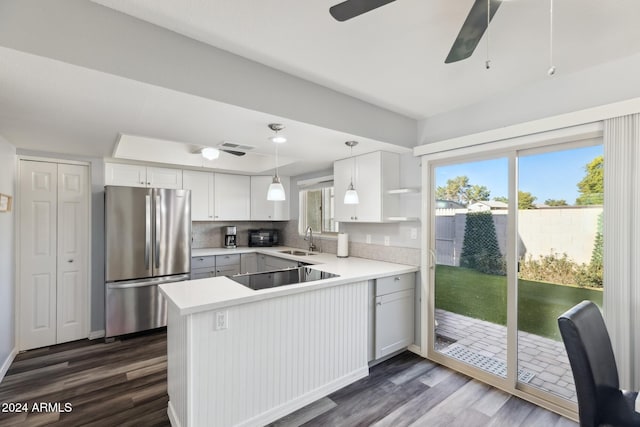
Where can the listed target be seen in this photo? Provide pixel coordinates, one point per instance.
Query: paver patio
(543, 357)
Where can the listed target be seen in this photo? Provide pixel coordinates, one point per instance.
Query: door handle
(147, 231)
(157, 248)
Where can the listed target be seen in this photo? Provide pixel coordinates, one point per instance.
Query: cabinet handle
(396, 278)
(379, 303)
(70, 260)
(142, 182)
(148, 183)
(200, 259)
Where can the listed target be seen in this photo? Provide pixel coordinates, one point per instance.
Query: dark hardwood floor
(123, 383)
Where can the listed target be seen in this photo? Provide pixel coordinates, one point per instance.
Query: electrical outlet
(387, 240)
(414, 233)
(368, 238)
(222, 321)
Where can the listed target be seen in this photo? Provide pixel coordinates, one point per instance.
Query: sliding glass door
(470, 265)
(515, 240)
(559, 255)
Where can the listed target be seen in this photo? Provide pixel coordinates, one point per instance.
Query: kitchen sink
(288, 276)
(297, 253)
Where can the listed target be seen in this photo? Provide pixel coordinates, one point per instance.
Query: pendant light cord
(488, 61)
(276, 158)
(552, 68)
(353, 164)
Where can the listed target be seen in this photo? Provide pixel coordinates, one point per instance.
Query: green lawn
(483, 296)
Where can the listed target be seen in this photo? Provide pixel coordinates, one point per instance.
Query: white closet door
(38, 252)
(72, 275)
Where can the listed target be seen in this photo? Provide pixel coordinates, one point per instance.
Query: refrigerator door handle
(157, 233)
(147, 233)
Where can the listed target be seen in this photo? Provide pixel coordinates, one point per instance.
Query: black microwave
(263, 237)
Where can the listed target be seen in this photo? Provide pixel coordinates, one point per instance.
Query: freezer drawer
(135, 306)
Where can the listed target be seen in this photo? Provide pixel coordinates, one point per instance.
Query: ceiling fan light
(276, 190)
(351, 196)
(210, 153)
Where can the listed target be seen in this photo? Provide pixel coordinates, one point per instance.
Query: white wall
(7, 257)
(564, 93)
(89, 35)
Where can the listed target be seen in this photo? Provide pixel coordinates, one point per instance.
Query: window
(317, 211)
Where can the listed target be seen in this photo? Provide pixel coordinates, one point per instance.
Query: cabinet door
(342, 172)
(272, 263)
(249, 263)
(38, 253)
(394, 322)
(164, 178)
(368, 183)
(73, 228)
(125, 175)
(232, 197)
(266, 210)
(201, 186)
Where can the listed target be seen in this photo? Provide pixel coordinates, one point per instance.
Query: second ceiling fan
(468, 38)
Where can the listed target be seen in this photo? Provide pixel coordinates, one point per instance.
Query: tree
(480, 248)
(525, 200)
(591, 187)
(476, 193)
(502, 199)
(459, 190)
(556, 202)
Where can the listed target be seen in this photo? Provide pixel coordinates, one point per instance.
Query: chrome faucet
(309, 232)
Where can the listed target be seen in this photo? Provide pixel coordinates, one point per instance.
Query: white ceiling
(392, 57)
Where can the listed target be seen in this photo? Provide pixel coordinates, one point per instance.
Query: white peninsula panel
(275, 355)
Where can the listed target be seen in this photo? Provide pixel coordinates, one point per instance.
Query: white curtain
(622, 244)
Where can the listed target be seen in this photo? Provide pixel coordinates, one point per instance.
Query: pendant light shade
(276, 192)
(351, 195)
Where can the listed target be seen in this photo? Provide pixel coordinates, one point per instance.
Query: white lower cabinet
(227, 265)
(249, 263)
(271, 263)
(203, 267)
(391, 315)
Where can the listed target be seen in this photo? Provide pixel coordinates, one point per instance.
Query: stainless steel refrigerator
(147, 243)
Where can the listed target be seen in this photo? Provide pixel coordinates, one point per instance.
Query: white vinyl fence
(570, 230)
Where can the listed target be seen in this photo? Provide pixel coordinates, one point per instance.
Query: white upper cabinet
(266, 210)
(232, 197)
(142, 176)
(374, 174)
(202, 194)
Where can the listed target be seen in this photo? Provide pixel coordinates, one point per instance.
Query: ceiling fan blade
(472, 30)
(352, 8)
(234, 152)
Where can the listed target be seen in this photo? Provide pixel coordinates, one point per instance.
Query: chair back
(591, 357)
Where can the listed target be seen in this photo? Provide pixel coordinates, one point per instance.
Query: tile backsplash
(209, 235)
(289, 236)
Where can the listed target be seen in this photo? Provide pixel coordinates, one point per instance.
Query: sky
(553, 175)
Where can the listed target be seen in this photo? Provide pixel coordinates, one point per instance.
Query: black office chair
(600, 400)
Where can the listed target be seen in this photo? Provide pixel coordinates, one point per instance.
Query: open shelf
(404, 191)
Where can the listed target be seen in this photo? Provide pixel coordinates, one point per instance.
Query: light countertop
(193, 296)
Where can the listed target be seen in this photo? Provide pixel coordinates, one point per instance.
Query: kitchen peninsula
(238, 356)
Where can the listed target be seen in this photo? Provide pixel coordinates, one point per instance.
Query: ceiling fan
(468, 37)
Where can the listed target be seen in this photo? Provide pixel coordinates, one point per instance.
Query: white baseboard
(173, 418)
(7, 363)
(302, 401)
(94, 335)
(417, 350)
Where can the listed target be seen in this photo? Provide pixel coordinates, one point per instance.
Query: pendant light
(351, 195)
(276, 190)
(552, 68)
